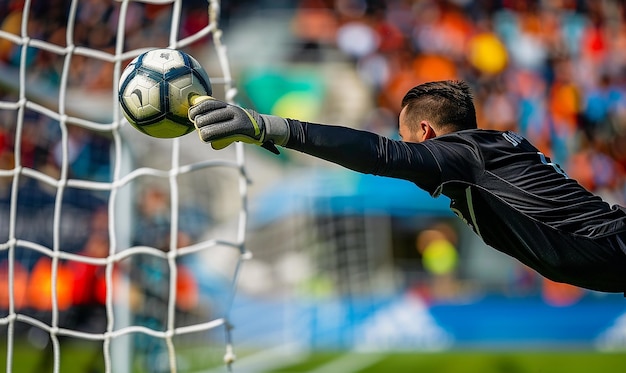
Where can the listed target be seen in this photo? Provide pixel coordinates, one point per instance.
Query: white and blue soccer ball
(156, 89)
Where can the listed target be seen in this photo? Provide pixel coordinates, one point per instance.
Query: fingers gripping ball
(222, 124)
(156, 90)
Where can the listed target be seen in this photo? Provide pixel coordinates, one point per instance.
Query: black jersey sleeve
(367, 152)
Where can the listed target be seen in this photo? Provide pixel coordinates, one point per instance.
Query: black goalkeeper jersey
(504, 188)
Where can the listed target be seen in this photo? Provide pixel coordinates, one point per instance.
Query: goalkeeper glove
(221, 124)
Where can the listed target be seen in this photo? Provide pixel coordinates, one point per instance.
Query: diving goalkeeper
(504, 188)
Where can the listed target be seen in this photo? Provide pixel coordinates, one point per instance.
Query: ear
(426, 131)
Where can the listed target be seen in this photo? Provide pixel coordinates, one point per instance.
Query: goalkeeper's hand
(221, 124)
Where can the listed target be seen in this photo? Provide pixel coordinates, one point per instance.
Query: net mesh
(63, 136)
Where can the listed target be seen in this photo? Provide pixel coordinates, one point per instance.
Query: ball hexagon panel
(162, 60)
(142, 97)
(182, 89)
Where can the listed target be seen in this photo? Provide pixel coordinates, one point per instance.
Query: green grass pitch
(78, 359)
(464, 362)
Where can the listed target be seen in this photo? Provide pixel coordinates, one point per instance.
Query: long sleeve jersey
(504, 188)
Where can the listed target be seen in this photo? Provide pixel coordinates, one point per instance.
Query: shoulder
(466, 155)
(460, 144)
(460, 154)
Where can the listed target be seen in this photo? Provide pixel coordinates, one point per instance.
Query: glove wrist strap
(276, 129)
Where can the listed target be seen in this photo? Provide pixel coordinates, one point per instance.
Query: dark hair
(446, 104)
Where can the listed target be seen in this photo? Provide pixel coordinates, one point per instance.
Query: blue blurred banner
(408, 323)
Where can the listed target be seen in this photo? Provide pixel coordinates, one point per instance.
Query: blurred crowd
(555, 71)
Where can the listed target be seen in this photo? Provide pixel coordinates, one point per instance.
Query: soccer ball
(156, 89)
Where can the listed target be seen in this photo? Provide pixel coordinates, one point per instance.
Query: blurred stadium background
(341, 262)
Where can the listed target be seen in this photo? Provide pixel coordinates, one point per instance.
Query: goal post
(67, 158)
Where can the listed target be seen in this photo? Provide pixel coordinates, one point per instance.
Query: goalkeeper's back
(520, 203)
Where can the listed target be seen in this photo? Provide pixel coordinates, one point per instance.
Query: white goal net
(101, 227)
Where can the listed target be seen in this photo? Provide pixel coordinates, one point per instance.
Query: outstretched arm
(366, 152)
(221, 124)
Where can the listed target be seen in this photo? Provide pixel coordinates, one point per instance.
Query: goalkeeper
(504, 188)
